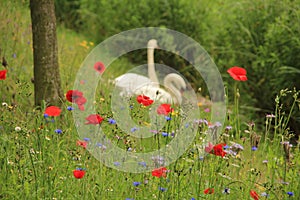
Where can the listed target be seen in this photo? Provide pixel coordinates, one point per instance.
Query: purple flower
(201, 121)
(136, 184)
(290, 193)
(164, 134)
(172, 134)
(237, 146)
(58, 131)
(117, 164)
(111, 121)
(87, 139)
(133, 129)
(228, 127)
(158, 160)
(207, 110)
(143, 164)
(264, 194)
(162, 189)
(46, 115)
(254, 148)
(270, 116)
(168, 118)
(70, 108)
(154, 131)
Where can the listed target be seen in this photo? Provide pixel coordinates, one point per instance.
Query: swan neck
(151, 66)
(169, 83)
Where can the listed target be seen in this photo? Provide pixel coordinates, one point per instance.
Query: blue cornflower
(117, 164)
(193, 198)
(162, 189)
(226, 147)
(87, 139)
(143, 164)
(80, 169)
(168, 118)
(136, 183)
(111, 121)
(70, 108)
(58, 131)
(129, 199)
(46, 115)
(186, 125)
(226, 191)
(254, 148)
(290, 193)
(133, 129)
(164, 134)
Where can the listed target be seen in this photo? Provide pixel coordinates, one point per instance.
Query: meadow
(43, 157)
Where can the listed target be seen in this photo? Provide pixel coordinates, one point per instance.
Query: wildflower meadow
(44, 157)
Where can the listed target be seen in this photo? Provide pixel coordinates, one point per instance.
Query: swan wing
(129, 82)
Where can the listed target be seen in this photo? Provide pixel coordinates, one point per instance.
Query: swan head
(152, 44)
(176, 84)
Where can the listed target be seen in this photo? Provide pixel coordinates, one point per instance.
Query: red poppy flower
(254, 195)
(77, 97)
(79, 173)
(160, 172)
(144, 100)
(164, 109)
(52, 111)
(80, 102)
(218, 150)
(94, 119)
(3, 74)
(81, 143)
(209, 148)
(238, 73)
(99, 67)
(209, 191)
(72, 95)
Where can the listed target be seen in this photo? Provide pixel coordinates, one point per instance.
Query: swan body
(173, 84)
(131, 83)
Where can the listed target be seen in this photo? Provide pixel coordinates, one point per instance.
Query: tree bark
(47, 84)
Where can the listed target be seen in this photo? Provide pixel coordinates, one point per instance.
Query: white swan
(131, 83)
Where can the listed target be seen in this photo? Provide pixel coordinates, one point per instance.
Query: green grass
(37, 163)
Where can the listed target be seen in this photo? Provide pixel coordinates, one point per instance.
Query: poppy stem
(236, 109)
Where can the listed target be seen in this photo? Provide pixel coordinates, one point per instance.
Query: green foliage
(264, 38)
(261, 36)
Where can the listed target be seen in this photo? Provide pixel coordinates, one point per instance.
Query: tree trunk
(47, 84)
